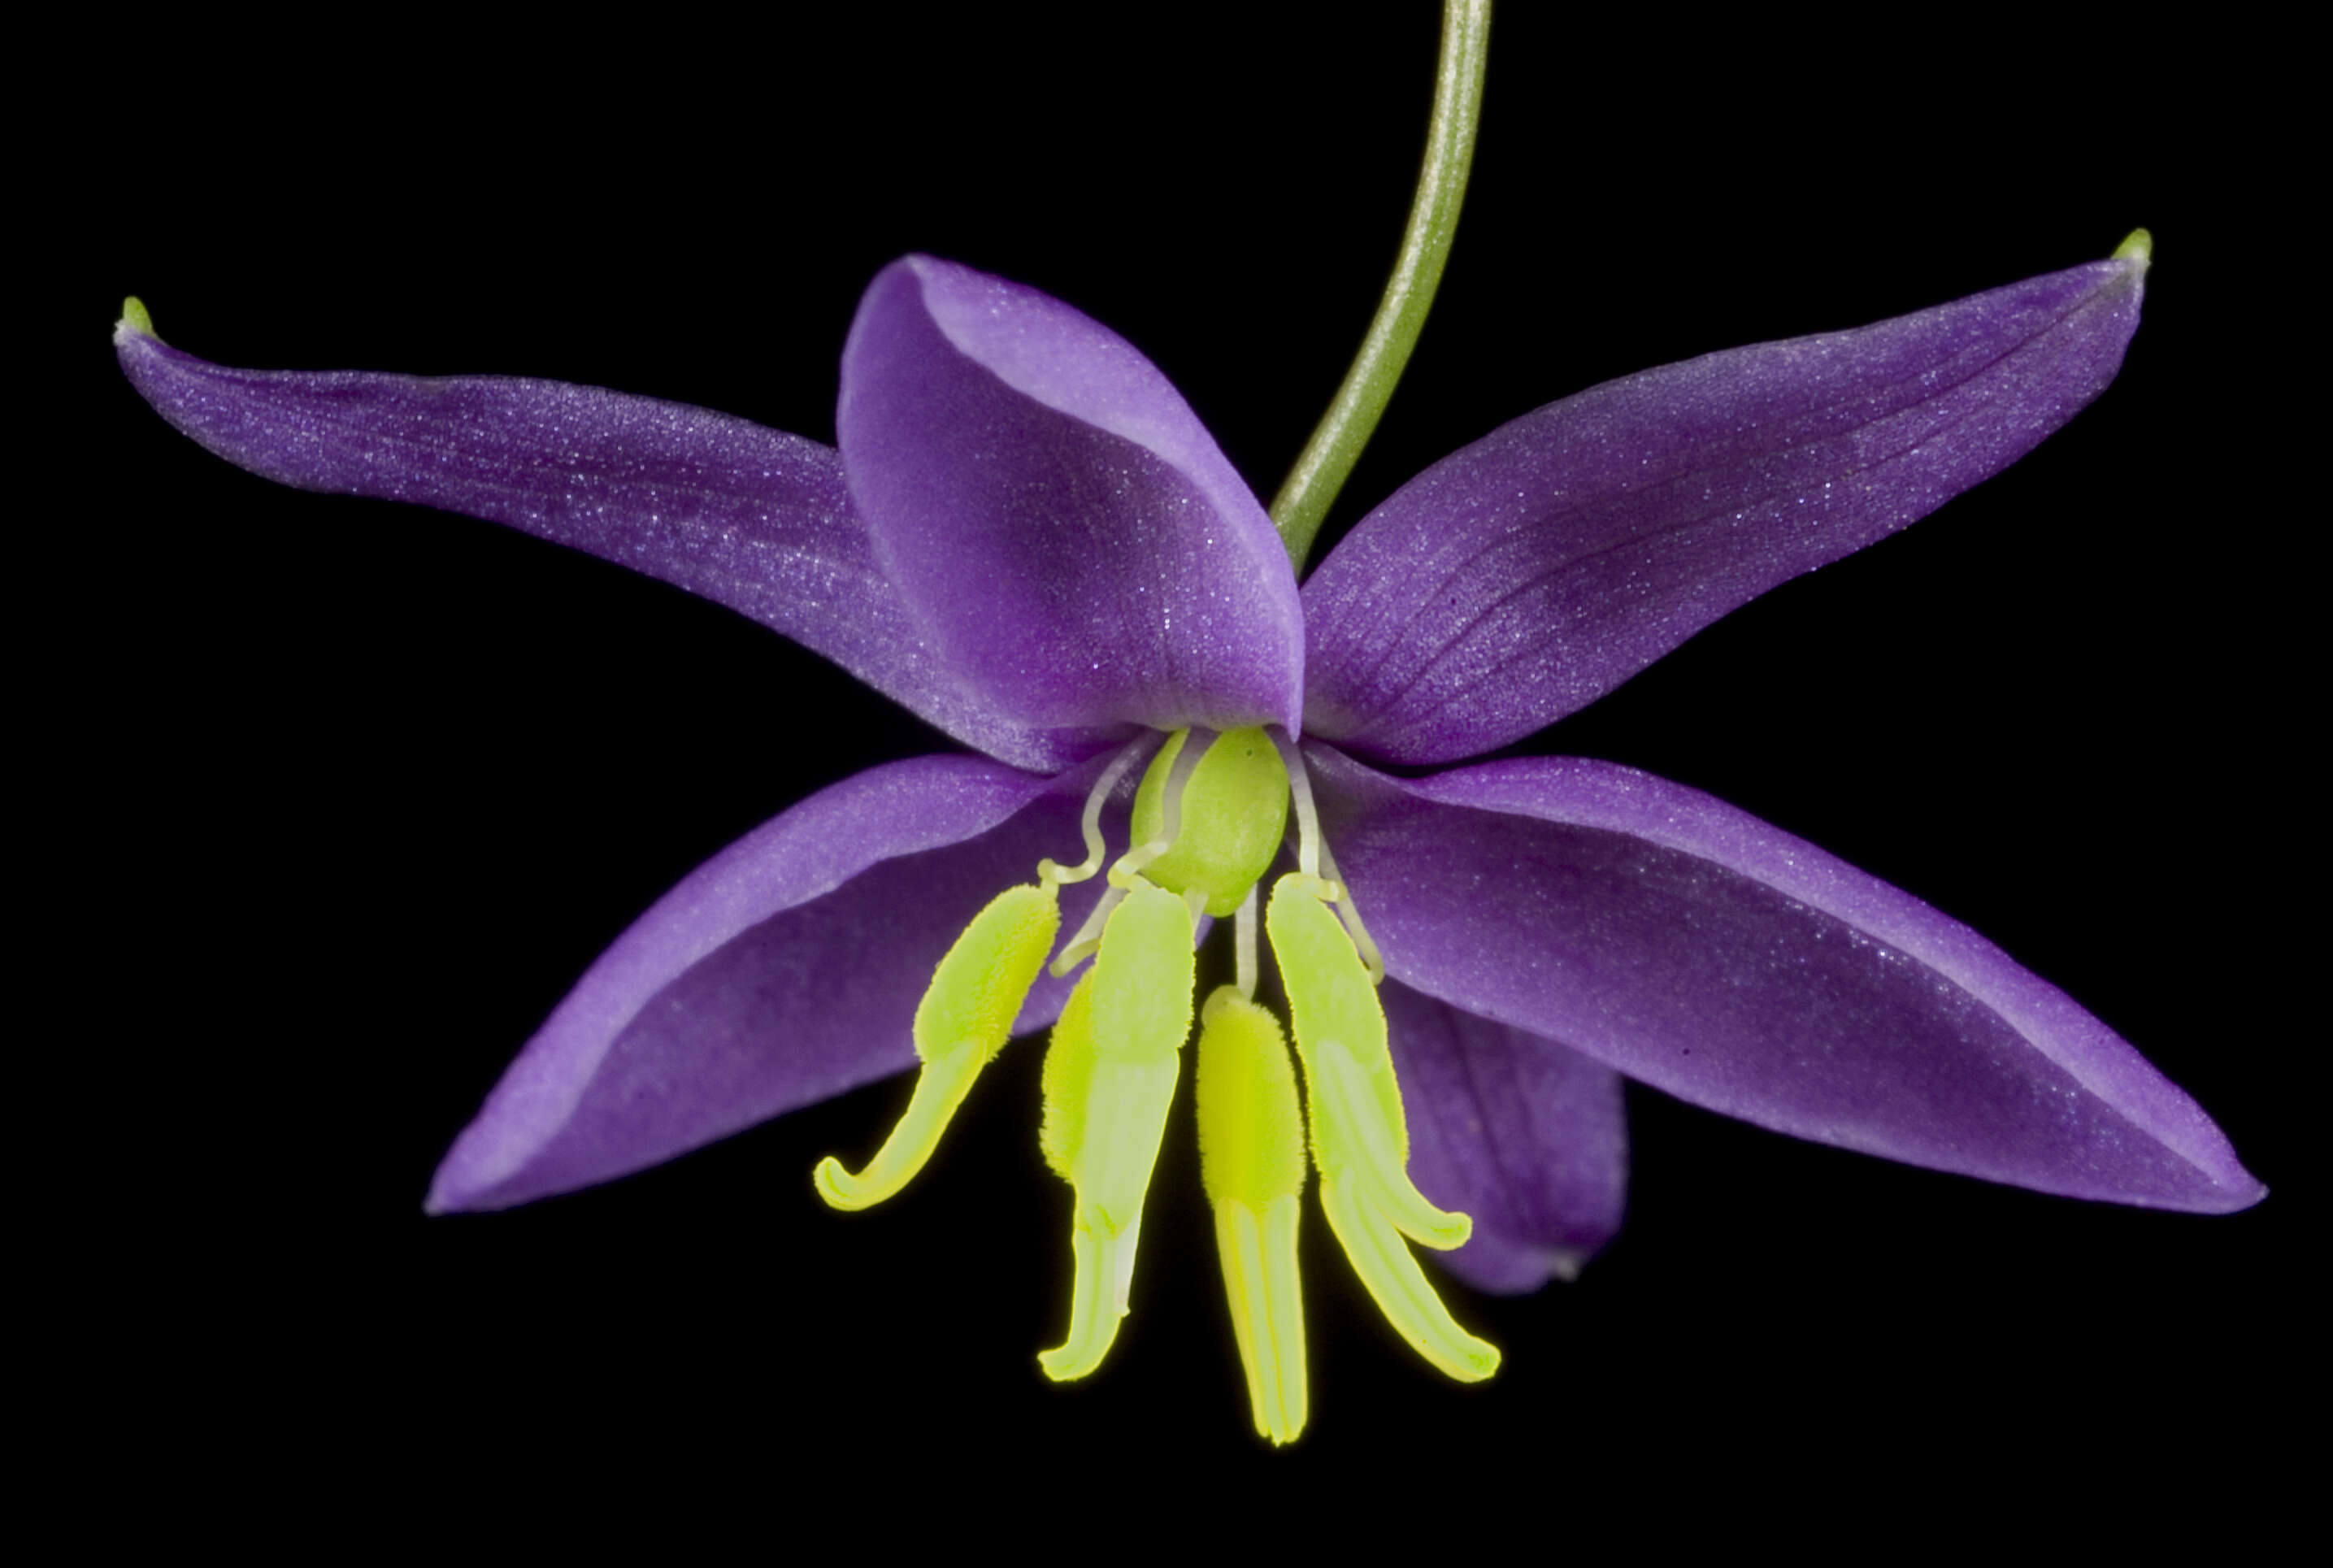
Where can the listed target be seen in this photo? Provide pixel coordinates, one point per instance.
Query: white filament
(1299, 794)
(1244, 944)
(1350, 911)
(1096, 798)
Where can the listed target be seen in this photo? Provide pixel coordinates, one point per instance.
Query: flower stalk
(1328, 458)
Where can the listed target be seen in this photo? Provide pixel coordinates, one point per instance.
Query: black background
(346, 794)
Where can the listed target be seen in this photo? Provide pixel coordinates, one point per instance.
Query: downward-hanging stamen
(965, 1016)
(1359, 1140)
(1348, 910)
(1110, 1077)
(1243, 933)
(1080, 946)
(1400, 1287)
(1344, 1098)
(1252, 1162)
(1052, 871)
(1299, 794)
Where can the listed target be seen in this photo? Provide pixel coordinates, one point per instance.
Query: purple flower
(1028, 539)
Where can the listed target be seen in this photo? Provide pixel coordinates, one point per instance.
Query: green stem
(1329, 457)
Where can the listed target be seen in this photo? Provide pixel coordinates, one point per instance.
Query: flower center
(1209, 816)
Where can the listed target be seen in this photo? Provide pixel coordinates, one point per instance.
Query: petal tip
(448, 1192)
(136, 321)
(477, 1173)
(2241, 1195)
(2139, 248)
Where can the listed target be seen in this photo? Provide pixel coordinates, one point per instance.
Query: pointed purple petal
(1056, 516)
(1527, 1137)
(1524, 576)
(749, 517)
(784, 970)
(1692, 946)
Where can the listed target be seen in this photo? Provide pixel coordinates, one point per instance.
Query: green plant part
(1209, 816)
(1359, 1139)
(1110, 1077)
(1252, 1162)
(962, 1022)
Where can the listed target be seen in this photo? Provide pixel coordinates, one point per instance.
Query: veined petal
(1522, 577)
(1526, 1137)
(1055, 516)
(746, 516)
(784, 970)
(1692, 946)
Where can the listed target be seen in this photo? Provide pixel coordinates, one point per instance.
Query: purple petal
(1056, 516)
(1528, 1138)
(749, 517)
(784, 970)
(1692, 947)
(1526, 575)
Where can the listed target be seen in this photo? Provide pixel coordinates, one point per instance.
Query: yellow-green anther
(1251, 1163)
(1109, 1076)
(1069, 1068)
(1359, 1139)
(965, 1016)
(1402, 1292)
(1250, 1127)
(1358, 1125)
(1357, 1110)
(1234, 813)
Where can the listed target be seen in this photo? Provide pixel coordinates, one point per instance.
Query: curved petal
(784, 970)
(1692, 946)
(1526, 575)
(749, 517)
(1055, 515)
(1528, 1139)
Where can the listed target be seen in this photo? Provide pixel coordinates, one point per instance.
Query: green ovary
(1234, 813)
(1204, 832)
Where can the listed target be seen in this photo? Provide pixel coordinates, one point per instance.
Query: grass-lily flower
(1027, 538)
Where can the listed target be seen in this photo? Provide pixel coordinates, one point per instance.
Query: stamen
(1244, 944)
(1359, 1139)
(1259, 1263)
(964, 1018)
(1379, 1166)
(1093, 1323)
(1402, 1291)
(1252, 1162)
(1110, 1077)
(1052, 872)
(1349, 909)
(1089, 936)
(1299, 794)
